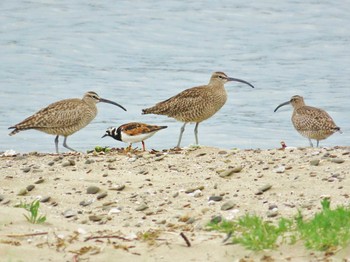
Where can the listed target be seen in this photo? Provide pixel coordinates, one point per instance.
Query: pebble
(51, 163)
(114, 211)
(69, 162)
(231, 171)
(89, 161)
(315, 162)
(69, 213)
(30, 187)
(26, 169)
(337, 160)
(141, 207)
(92, 190)
(280, 169)
(176, 194)
(2, 198)
(216, 219)
(102, 195)
(197, 193)
(22, 192)
(272, 213)
(263, 189)
(39, 181)
(85, 203)
(215, 198)
(45, 199)
(228, 205)
(191, 190)
(95, 218)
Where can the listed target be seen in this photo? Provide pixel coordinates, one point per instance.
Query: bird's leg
(318, 141)
(56, 144)
(66, 146)
(143, 146)
(196, 133)
(311, 143)
(180, 137)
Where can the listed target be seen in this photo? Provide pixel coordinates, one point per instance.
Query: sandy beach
(133, 207)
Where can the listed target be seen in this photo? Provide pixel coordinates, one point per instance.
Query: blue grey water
(138, 53)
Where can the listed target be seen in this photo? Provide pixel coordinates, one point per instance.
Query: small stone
(263, 189)
(30, 187)
(315, 162)
(191, 190)
(89, 161)
(22, 192)
(41, 180)
(95, 218)
(141, 207)
(231, 171)
(69, 213)
(215, 198)
(197, 193)
(26, 169)
(272, 213)
(66, 163)
(92, 190)
(2, 198)
(176, 194)
(159, 158)
(120, 188)
(102, 195)
(337, 160)
(45, 199)
(228, 205)
(85, 203)
(51, 163)
(280, 169)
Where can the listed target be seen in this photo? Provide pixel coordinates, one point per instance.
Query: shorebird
(310, 122)
(194, 105)
(64, 118)
(133, 132)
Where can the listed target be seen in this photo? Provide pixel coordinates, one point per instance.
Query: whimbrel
(310, 122)
(196, 104)
(64, 118)
(133, 132)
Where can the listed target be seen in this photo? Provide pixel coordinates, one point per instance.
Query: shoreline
(163, 194)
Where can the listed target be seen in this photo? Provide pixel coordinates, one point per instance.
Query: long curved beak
(283, 104)
(104, 135)
(111, 102)
(239, 80)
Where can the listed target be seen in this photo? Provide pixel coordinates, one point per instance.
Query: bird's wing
(183, 101)
(311, 118)
(61, 113)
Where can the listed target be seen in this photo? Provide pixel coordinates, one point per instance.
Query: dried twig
(186, 239)
(97, 237)
(29, 235)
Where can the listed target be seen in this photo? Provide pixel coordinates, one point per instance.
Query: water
(138, 53)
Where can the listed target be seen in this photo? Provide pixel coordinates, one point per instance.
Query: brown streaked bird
(194, 105)
(310, 122)
(133, 132)
(64, 118)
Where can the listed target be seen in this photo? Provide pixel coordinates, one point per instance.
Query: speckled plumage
(311, 122)
(196, 104)
(63, 118)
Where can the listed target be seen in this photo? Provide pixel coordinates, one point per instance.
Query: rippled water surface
(138, 53)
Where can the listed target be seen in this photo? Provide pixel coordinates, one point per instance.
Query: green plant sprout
(33, 209)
